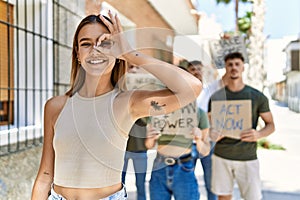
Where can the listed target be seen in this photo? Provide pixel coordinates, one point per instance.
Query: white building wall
(293, 86)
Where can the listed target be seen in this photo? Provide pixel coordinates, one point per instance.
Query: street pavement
(280, 170)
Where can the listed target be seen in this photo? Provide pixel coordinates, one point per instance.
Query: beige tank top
(89, 146)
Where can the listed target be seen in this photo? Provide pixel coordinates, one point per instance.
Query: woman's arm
(182, 87)
(44, 179)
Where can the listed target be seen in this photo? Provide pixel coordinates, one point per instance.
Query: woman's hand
(117, 40)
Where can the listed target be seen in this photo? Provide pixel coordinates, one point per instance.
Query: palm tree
(252, 24)
(244, 24)
(256, 74)
(236, 11)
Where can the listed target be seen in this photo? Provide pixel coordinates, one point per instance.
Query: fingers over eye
(102, 38)
(118, 23)
(114, 25)
(113, 19)
(106, 22)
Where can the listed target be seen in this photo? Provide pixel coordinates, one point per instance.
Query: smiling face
(234, 68)
(94, 61)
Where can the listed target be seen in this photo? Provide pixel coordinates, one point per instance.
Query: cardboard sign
(180, 122)
(231, 117)
(220, 48)
(143, 81)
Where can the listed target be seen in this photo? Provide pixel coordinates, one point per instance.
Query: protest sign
(143, 81)
(220, 48)
(179, 122)
(231, 117)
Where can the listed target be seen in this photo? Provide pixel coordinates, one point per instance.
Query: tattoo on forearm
(47, 173)
(155, 105)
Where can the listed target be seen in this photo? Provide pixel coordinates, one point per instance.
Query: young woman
(86, 130)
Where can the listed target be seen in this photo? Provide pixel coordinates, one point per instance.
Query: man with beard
(195, 67)
(236, 158)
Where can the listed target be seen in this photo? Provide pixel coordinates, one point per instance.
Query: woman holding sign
(86, 130)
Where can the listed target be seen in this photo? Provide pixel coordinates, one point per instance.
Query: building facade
(292, 72)
(36, 38)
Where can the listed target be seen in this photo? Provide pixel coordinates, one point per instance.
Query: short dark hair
(234, 55)
(194, 62)
(183, 68)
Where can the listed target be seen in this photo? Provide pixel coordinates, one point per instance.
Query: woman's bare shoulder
(55, 104)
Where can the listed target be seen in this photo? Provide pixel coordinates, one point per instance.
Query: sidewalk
(279, 169)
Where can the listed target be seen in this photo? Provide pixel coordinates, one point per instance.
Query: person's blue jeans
(139, 160)
(120, 195)
(178, 180)
(206, 166)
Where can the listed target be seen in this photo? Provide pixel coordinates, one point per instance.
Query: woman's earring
(118, 60)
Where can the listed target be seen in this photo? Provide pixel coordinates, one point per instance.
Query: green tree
(244, 23)
(252, 25)
(236, 11)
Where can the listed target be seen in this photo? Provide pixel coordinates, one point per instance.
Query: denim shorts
(120, 195)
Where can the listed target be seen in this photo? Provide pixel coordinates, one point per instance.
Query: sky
(282, 17)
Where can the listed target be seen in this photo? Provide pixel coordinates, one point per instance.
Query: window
(6, 64)
(295, 61)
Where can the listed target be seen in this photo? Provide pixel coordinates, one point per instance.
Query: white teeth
(96, 61)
